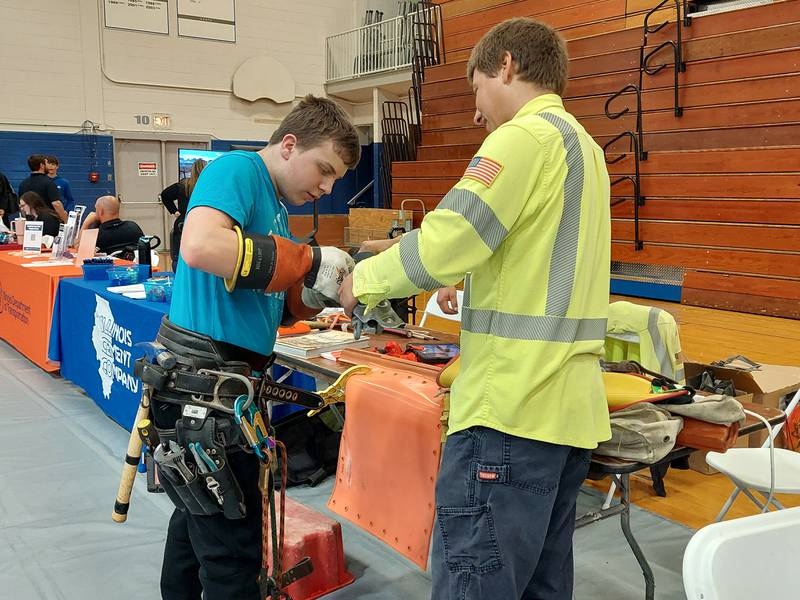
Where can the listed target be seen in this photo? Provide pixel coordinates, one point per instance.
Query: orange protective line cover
(389, 455)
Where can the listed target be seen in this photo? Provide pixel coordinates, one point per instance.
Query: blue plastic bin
(96, 272)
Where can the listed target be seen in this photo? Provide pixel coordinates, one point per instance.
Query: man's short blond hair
(538, 50)
(316, 120)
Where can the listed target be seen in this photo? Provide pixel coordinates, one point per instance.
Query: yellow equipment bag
(622, 389)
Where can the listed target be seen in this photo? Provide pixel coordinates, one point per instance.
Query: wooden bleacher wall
(722, 182)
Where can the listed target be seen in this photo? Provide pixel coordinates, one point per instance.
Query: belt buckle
(222, 377)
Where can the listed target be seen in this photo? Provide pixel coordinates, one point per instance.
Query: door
(144, 168)
(139, 174)
(171, 170)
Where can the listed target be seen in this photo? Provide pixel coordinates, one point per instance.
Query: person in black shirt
(39, 182)
(114, 233)
(33, 208)
(176, 200)
(9, 204)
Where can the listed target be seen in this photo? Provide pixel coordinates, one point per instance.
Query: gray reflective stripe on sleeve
(680, 375)
(660, 348)
(412, 263)
(478, 214)
(565, 250)
(467, 291)
(538, 328)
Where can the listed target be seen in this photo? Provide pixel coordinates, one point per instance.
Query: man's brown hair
(314, 121)
(538, 50)
(35, 162)
(53, 160)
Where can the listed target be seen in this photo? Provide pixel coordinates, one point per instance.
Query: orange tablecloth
(26, 304)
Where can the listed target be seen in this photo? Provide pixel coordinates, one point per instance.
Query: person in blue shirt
(241, 276)
(62, 184)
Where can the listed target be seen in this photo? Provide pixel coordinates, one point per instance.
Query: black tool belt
(193, 394)
(199, 373)
(195, 383)
(211, 374)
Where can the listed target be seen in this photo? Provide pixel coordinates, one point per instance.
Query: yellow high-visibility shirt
(658, 347)
(528, 229)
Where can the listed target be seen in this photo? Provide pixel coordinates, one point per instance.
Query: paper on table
(135, 295)
(87, 245)
(124, 289)
(49, 263)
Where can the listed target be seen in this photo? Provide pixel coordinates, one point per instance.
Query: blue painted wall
(225, 145)
(78, 154)
(344, 189)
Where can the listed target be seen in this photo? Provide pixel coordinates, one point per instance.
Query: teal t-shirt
(239, 185)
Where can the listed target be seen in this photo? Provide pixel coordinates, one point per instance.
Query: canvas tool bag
(643, 432)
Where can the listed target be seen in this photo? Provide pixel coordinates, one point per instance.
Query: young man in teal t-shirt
(240, 277)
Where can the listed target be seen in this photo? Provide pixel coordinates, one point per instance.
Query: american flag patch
(484, 170)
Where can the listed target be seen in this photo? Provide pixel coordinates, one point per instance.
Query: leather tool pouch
(219, 486)
(209, 490)
(185, 495)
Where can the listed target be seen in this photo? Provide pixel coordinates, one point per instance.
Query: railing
(677, 48)
(401, 123)
(637, 137)
(638, 199)
(642, 155)
(384, 46)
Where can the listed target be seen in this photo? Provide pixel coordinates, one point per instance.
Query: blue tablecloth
(93, 335)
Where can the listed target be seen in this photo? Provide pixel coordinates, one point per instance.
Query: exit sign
(162, 121)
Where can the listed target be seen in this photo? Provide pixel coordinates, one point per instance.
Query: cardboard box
(382, 218)
(765, 386)
(743, 394)
(697, 460)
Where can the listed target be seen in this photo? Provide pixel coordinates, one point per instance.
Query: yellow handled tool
(132, 457)
(335, 392)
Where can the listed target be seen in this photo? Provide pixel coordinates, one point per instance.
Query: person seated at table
(33, 208)
(115, 234)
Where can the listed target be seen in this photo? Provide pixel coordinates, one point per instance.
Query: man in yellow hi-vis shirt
(528, 230)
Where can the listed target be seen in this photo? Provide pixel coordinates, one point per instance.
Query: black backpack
(312, 445)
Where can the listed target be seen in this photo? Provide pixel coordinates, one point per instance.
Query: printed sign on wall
(207, 19)
(148, 169)
(138, 15)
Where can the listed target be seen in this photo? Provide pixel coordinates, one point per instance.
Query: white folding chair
(432, 308)
(767, 470)
(742, 559)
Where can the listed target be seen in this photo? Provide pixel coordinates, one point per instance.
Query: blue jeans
(505, 517)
